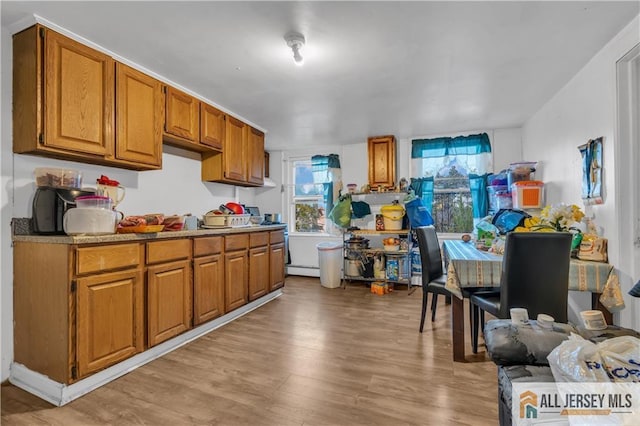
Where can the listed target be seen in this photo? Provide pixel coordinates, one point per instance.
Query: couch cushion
(509, 344)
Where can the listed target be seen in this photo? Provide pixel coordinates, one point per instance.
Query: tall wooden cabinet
(255, 157)
(64, 104)
(382, 161)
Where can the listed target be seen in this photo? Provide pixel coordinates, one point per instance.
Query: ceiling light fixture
(295, 41)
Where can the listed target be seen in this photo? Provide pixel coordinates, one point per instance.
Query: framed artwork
(591, 153)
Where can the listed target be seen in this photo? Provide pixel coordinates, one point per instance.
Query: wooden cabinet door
(276, 268)
(382, 161)
(78, 96)
(235, 162)
(168, 301)
(258, 276)
(236, 279)
(208, 288)
(138, 117)
(109, 319)
(181, 114)
(255, 157)
(212, 126)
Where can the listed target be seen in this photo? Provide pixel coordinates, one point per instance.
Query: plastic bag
(506, 220)
(417, 213)
(340, 214)
(613, 360)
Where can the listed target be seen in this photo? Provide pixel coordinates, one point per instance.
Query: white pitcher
(116, 193)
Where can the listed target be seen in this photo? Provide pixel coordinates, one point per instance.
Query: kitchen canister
(392, 214)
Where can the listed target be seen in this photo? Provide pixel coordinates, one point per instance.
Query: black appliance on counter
(49, 206)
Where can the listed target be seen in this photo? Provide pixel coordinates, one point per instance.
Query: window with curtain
(316, 184)
(450, 175)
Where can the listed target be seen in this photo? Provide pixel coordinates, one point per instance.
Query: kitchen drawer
(236, 242)
(277, 237)
(106, 257)
(258, 239)
(165, 251)
(207, 245)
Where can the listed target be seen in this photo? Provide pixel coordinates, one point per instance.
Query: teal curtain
(460, 145)
(328, 195)
(423, 188)
(479, 196)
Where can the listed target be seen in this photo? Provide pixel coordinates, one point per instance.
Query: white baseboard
(60, 394)
(305, 271)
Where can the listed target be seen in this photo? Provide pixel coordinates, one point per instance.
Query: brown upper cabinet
(192, 124)
(65, 104)
(382, 161)
(241, 161)
(212, 126)
(139, 117)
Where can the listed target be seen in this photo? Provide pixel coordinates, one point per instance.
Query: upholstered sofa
(520, 352)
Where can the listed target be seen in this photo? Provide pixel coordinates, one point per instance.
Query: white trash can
(330, 260)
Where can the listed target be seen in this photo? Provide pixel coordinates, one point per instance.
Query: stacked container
(515, 188)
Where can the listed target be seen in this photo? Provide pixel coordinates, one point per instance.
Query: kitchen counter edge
(115, 238)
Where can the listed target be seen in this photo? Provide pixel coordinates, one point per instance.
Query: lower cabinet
(110, 318)
(80, 308)
(168, 301)
(208, 288)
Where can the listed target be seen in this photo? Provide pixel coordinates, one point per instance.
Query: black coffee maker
(49, 206)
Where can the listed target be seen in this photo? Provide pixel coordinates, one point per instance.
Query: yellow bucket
(392, 215)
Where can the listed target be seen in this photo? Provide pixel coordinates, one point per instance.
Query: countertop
(115, 238)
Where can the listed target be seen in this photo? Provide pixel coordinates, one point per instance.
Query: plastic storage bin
(521, 171)
(330, 261)
(527, 194)
(58, 178)
(499, 197)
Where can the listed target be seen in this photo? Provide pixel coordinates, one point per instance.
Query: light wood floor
(314, 356)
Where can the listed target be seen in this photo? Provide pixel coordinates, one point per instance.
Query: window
(315, 183)
(450, 176)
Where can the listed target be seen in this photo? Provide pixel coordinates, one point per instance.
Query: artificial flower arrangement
(557, 218)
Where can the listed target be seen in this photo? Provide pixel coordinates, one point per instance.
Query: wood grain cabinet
(77, 310)
(169, 289)
(66, 103)
(182, 115)
(258, 264)
(208, 279)
(139, 117)
(382, 161)
(236, 271)
(241, 161)
(276, 260)
(212, 126)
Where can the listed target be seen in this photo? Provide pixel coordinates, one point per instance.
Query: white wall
(585, 109)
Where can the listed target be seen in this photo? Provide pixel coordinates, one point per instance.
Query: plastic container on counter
(58, 178)
(94, 202)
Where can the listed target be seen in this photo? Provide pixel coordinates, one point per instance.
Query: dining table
(470, 269)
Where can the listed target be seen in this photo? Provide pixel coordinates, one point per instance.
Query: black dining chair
(433, 277)
(535, 276)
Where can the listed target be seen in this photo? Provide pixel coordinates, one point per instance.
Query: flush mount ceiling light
(295, 41)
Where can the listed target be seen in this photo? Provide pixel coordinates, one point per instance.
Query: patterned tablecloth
(470, 267)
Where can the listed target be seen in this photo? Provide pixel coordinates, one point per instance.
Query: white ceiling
(371, 68)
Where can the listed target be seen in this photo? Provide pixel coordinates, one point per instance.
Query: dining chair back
(535, 276)
(433, 278)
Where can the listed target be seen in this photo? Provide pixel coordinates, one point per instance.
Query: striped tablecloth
(470, 267)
